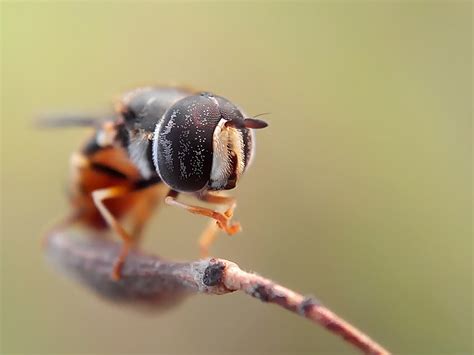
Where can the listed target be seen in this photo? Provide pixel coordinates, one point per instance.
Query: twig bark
(158, 283)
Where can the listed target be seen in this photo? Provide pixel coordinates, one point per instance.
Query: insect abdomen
(94, 169)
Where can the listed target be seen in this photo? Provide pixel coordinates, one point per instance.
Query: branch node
(214, 273)
(308, 303)
(260, 292)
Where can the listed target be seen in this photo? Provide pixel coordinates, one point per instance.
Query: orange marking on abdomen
(85, 179)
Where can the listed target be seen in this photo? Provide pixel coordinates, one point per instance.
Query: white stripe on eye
(220, 170)
(224, 137)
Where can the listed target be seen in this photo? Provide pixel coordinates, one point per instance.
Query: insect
(160, 143)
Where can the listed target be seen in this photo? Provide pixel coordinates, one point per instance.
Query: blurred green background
(360, 193)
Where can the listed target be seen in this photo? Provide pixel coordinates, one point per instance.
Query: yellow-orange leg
(145, 208)
(207, 238)
(220, 220)
(99, 196)
(220, 200)
(217, 199)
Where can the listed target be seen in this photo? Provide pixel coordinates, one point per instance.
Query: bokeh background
(360, 193)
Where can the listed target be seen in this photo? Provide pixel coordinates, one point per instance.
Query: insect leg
(221, 220)
(145, 208)
(209, 235)
(220, 200)
(99, 196)
(207, 238)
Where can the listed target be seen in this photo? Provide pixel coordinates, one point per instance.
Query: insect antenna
(254, 123)
(251, 122)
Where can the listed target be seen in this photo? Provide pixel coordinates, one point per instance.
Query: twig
(159, 283)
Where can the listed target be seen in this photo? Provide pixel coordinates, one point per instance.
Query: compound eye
(183, 143)
(230, 112)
